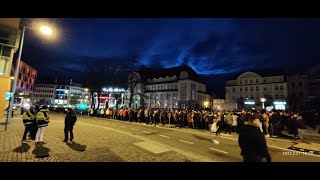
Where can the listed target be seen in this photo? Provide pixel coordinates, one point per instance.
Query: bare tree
(137, 88)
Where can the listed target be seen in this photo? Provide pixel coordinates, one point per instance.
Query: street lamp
(206, 103)
(43, 29)
(263, 100)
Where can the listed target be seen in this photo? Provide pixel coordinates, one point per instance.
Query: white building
(177, 87)
(60, 95)
(248, 89)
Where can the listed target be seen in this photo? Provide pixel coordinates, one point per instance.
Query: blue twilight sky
(209, 45)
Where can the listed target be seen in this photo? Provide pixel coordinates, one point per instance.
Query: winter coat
(229, 119)
(253, 144)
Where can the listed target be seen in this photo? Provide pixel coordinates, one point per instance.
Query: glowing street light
(206, 103)
(44, 30)
(86, 89)
(263, 100)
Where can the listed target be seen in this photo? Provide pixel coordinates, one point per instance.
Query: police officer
(69, 122)
(28, 121)
(42, 120)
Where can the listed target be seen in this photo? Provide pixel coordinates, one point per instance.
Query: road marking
(230, 138)
(134, 129)
(146, 132)
(186, 142)
(164, 136)
(152, 147)
(219, 150)
(122, 126)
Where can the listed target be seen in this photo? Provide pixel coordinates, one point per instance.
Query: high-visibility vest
(27, 117)
(42, 118)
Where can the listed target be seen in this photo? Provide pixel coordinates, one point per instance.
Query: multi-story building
(9, 42)
(249, 88)
(177, 87)
(297, 91)
(60, 95)
(25, 84)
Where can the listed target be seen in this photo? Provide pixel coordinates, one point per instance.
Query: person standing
(252, 142)
(28, 121)
(42, 120)
(69, 122)
(229, 120)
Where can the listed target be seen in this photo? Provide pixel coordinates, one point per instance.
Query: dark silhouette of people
(69, 122)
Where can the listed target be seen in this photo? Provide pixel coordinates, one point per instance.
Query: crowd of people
(272, 123)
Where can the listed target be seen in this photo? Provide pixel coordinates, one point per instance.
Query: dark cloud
(210, 46)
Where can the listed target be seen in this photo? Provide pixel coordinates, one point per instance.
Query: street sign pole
(8, 113)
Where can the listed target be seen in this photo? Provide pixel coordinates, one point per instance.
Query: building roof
(157, 72)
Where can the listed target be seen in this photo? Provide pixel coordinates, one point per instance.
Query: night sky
(211, 46)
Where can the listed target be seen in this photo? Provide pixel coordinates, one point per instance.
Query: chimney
(70, 82)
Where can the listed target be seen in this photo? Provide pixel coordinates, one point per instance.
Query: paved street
(104, 140)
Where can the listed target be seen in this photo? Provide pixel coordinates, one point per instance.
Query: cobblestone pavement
(104, 140)
(101, 145)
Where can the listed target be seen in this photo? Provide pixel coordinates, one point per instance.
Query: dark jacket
(253, 144)
(70, 119)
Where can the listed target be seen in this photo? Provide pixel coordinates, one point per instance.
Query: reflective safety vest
(28, 117)
(42, 118)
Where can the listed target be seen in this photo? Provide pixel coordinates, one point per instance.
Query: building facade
(25, 84)
(249, 88)
(9, 43)
(178, 87)
(60, 95)
(298, 91)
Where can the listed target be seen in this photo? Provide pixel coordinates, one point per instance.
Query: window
(257, 88)
(276, 88)
(264, 80)
(301, 94)
(251, 88)
(245, 89)
(240, 89)
(281, 87)
(174, 96)
(251, 81)
(162, 96)
(183, 85)
(282, 96)
(233, 98)
(257, 80)
(27, 86)
(293, 84)
(168, 96)
(300, 84)
(251, 97)
(246, 81)
(277, 96)
(227, 90)
(241, 82)
(233, 89)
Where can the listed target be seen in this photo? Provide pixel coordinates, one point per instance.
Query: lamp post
(263, 100)
(43, 29)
